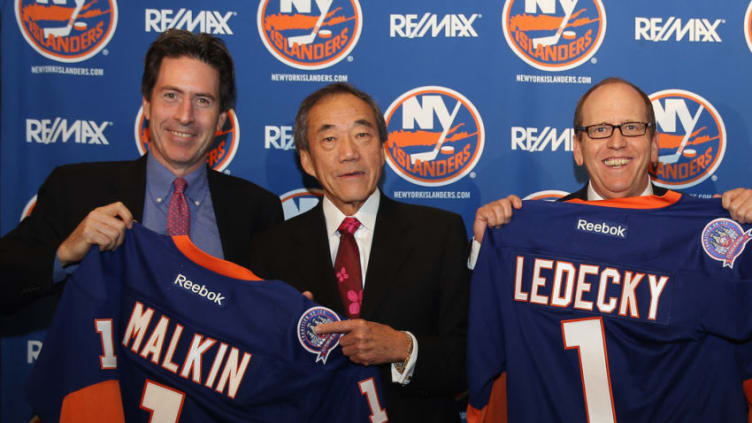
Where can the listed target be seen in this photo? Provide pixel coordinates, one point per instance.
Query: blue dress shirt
(204, 232)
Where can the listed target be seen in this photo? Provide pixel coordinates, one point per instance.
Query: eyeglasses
(605, 130)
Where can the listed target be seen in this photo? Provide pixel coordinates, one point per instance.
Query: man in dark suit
(188, 86)
(408, 315)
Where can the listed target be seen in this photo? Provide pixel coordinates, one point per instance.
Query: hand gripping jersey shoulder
(158, 331)
(609, 311)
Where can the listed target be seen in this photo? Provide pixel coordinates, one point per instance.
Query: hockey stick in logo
(430, 155)
(63, 31)
(673, 158)
(553, 39)
(323, 6)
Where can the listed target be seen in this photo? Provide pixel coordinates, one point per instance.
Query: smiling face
(618, 165)
(183, 113)
(344, 151)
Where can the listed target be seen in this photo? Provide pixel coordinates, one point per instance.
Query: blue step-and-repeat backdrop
(478, 96)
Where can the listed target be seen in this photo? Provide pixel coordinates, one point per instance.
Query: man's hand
(495, 214)
(367, 342)
(104, 226)
(738, 202)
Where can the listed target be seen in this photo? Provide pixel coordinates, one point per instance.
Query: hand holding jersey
(616, 141)
(495, 214)
(163, 330)
(104, 226)
(617, 310)
(738, 202)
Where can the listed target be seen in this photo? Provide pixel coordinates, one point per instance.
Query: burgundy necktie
(347, 268)
(178, 214)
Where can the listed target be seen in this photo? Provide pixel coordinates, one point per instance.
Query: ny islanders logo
(436, 136)
(724, 240)
(554, 35)
(691, 139)
(221, 152)
(67, 31)
(299, 201)
(309, 34)
(748, 26)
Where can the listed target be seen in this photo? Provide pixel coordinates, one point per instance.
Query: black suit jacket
(417, 280)
(70, 192)
(581, 194)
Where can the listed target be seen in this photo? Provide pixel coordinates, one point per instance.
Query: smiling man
(396, 270)
(616, 141)
(188, 87)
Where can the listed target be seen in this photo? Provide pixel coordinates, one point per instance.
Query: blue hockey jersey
(625, 310)
(159, 331)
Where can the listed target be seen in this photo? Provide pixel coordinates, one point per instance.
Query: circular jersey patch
(724, 240)
(310, 340)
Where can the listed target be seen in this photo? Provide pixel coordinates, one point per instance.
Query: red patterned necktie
(347, 268)
(178, 214)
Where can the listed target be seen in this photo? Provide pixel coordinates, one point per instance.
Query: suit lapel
(132, 189)
(226, 225)
(388, 249)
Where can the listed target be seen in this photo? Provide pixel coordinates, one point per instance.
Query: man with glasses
(523, 289)
(616, 140)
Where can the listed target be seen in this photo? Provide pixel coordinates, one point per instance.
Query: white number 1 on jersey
(586, 335)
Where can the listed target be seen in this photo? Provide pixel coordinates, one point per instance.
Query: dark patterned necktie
(347, 268)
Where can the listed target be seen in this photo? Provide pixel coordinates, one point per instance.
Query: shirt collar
(594, 196)
(366, 215)
(160, 180)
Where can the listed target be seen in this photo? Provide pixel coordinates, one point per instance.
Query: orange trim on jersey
(94, 404)
(223, 267)
(644, 202)
(496, 409)
(747, 385)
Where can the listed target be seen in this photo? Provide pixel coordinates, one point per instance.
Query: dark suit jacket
(581, 194)
(417, 280)
(70, 192)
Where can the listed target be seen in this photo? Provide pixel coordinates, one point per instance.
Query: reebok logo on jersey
(602, 228)
(183, 282)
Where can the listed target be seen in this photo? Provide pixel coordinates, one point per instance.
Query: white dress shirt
(366, 215)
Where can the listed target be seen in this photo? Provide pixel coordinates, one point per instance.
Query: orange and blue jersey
(631, 310)
(157, 330)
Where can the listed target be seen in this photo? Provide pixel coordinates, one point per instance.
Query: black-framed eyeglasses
(605, 130)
